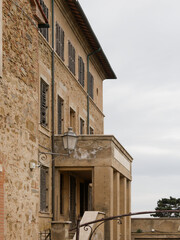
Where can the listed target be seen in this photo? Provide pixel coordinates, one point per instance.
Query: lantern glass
(69, 140)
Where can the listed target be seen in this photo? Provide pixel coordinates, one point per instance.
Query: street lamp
(69, 143)
(69, 140)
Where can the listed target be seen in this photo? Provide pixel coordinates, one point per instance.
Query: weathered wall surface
(2, 159)
(155, 228)
(18, 130)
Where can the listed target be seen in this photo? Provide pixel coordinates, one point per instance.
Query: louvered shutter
(59, 115)
(44, 89)
(43, 189)
(90, 85)
(79, 69)
(82, 73)
(74, 55)
(69, 54)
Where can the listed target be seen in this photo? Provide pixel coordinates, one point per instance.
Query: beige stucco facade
(155, 228)
(99, 170)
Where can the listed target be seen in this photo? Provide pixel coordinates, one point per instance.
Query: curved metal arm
(118, 218)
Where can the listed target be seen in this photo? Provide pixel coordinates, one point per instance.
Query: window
(81, 71)
(44, 104)
(81, 126)
(60, 115)
(59, 41)
(71, 54)
(91, 130)
(90, 85)
(72, 119)
(44, 176)
(44, 31)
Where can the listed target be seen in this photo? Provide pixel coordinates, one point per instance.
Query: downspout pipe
(88, 56)
(52, 115)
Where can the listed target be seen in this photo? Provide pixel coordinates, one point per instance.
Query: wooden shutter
(62, 44)
(44, 31)
(73, 57)
(43, 110)
(90, 85)
(57, 38)
(60, 104)
(43, 189)
(72, 54)
(81, 71)
(59, 41)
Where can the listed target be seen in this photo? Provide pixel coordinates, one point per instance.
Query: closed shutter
(72, 54)
(44, 31)
(62, 44)
(81, 71)
(59, 41)
(60, 105)
(73, 60)
(43, 117)
(90, 85)
(43, 189)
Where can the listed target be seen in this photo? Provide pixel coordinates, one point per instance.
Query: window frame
(72, 116)
(91, 130)
(82, 126)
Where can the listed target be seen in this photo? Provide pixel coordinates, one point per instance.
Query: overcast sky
(141, 39)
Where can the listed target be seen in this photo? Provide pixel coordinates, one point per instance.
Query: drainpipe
(52, 115)
(88, 56)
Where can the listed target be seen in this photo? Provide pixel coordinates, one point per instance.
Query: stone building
(52, 69)
(155, 228)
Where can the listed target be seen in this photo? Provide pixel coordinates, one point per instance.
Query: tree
(167, 204)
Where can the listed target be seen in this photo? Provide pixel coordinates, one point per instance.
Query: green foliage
(139, 230)
(167, 204)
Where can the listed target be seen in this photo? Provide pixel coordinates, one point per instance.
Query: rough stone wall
(155, 228)
(18, 131)
(2, 158)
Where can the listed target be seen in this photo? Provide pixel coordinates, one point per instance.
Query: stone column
(128, 209)
(116, 204)
(103, 195)
(123, 208)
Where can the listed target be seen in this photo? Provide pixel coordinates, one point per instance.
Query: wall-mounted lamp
(69, 143)
(69, 140)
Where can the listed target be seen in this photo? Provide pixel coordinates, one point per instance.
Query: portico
(95, 177)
